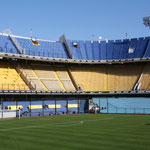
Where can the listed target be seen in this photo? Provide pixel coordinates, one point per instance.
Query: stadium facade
(41, 77)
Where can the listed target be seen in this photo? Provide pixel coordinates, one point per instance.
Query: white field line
(68, 125)
(64, 124)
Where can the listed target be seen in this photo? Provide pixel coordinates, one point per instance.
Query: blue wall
(63, 109)
(36, 112)
(49, 111)
(137, 105)
(25, 111)
(73, 109)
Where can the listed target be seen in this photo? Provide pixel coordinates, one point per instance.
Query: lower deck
(47, 105)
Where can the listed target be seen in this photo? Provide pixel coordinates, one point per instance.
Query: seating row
(81, 50)
(48, 77)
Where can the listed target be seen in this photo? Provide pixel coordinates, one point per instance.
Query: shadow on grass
(147, 123)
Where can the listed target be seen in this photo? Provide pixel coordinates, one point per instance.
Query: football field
(76, 132)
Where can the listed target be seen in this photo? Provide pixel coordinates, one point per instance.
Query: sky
(77, 19)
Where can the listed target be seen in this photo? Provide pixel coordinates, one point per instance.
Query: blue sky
(77, 19)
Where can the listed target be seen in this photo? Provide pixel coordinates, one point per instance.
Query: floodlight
(100, 37)
(146, 21)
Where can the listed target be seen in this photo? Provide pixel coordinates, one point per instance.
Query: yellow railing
(13, 87)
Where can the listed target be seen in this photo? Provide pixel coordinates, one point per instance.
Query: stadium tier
(43, 48)
(35, 87)
(78, 50)
(46, 77)
(49, 77)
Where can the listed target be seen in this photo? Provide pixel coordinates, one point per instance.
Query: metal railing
(13, 87)
(34, 53)
(136, 110)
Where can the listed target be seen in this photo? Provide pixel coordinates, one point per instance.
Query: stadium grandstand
(41, 77)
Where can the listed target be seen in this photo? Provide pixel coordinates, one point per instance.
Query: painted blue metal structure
(130, 105)
(81, 50)
(41, 107)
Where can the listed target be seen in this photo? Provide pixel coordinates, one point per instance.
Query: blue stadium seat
(103, 50)
(110, 46)
(117, 49)
(82, 49)
(141, 47)
(96, 50)
(124, 50)
(45, 49)
(89, 50)
(134, 48)
(147, 51)
(6, 45)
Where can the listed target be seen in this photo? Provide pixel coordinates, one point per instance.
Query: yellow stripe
(35, 107)
(73, 105)
(14, 107)
(53, 106)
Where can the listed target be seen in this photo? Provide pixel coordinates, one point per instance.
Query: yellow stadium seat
(9, 78)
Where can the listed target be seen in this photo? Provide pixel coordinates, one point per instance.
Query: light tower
(146, 21)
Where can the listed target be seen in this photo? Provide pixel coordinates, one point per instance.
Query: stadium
(40, 77)
(74, 94)
(46, 78)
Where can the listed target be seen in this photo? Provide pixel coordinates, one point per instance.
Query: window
(131, 50)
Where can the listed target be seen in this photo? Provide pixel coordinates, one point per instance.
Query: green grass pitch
(76, 132)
